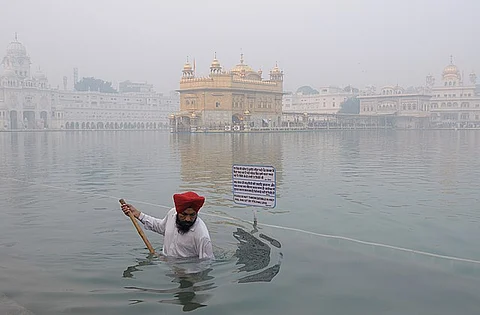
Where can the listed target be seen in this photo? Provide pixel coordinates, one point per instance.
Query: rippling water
(66, 248)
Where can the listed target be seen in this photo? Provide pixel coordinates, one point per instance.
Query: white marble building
(28, 102)
(407, 109)
(454, 103)
(95, 110)
(327, 101)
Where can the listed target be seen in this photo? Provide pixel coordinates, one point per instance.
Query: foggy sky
(317, 43)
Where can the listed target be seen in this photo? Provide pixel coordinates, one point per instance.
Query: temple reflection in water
(206, 160)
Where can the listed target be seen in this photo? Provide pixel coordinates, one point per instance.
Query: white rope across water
(286, 228)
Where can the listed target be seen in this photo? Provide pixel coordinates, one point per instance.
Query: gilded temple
(235, 99)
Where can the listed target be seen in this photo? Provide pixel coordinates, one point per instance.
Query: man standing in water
(185, 234)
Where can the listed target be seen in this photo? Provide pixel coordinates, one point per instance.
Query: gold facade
(229, 100)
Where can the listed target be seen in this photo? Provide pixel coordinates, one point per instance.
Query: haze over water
(66, 248)
(343, 42)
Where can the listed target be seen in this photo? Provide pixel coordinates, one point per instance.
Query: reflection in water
(254, 255)
(128, 273)
(206, 161)
(193, 276)
(272, 241)
(186, 294)
(264, 276)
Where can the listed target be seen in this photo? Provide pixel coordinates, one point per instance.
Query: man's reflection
(190, 281)
(128, 273)
(193, 276)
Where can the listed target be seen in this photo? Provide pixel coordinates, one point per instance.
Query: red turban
(187, 200)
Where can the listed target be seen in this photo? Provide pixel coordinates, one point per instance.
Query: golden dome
(276, 69)
(215, 63)
(187, 66)
(242, 67)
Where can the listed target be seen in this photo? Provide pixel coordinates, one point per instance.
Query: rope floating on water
(286, 228)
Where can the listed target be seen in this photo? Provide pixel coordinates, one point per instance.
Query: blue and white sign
(254, 185)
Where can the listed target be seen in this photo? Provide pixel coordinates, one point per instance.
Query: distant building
(94, 110)
(139, 87)
(454, 103)
(401, 108)
(239, 98)
(28, 102)
(327, 100)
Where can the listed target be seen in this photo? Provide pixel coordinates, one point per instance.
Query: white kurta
(194, 243)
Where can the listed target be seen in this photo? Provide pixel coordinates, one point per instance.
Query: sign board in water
(254, 185)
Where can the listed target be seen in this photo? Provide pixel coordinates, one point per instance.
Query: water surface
(66, 248)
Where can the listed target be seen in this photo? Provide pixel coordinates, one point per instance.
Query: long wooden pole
(139, 229)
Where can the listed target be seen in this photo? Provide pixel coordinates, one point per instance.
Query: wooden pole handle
(139, 229)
